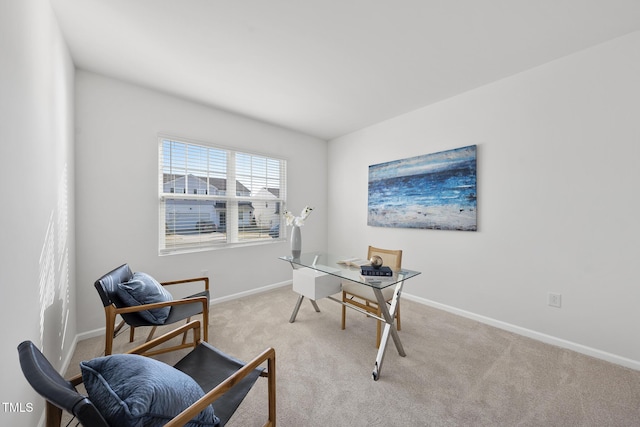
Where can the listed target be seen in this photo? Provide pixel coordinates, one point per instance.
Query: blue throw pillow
(134, 390)
(144, 289)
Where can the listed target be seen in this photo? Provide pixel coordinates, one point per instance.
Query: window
(212, 197)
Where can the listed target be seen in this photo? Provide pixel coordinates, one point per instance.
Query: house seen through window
(213, 197)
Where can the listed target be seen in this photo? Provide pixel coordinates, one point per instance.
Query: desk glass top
(329, 263)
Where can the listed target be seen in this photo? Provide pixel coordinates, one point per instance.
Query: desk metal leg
(389, 327)
(297, 307)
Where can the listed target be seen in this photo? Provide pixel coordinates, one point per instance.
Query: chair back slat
(390, 257)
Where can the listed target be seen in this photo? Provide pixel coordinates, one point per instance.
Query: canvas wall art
(434, 191)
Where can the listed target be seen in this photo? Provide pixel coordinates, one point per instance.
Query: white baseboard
(599, 354)
(67, 360)
(250, 292)
(90, 334)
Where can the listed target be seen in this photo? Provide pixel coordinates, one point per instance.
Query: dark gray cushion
(133, 390)
(144, 289)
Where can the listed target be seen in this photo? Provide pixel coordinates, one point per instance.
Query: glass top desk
(330, 264)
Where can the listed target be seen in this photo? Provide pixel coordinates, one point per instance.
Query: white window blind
(212, 197)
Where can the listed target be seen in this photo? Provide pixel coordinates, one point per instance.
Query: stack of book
(368, 271)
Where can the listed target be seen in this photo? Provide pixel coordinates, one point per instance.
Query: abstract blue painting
(435, 191)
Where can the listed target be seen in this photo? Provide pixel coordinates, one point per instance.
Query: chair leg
(53, 415)
(132, 333)
(120, 325)
(398, 327)
(344, 310)
(153, 331)
(184, 336)
(109, 326)
(368, 304)
(271, 385)
(205, 324)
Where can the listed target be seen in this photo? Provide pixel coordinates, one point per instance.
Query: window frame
(258, 179)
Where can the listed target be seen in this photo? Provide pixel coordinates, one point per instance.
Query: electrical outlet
(555, 300)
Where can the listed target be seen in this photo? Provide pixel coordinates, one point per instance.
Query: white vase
(296, 242)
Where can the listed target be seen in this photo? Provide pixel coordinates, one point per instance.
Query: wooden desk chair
(363, 297)
(132, 389)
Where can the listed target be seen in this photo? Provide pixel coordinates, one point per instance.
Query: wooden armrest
(76, 379)
(195, 279)
(268, 355)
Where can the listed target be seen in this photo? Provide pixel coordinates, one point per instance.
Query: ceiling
(329, 67)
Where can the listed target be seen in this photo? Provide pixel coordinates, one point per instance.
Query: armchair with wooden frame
(113, 288)
(362, 296)
(223, 380)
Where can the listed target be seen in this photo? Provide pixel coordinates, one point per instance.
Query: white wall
(117, 196)
(37, 272)
(557, 201)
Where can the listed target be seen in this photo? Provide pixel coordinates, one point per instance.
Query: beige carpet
(457, 372)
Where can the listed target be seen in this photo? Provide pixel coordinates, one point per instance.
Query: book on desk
(369, 271)
(354, 262)
(377, 280)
